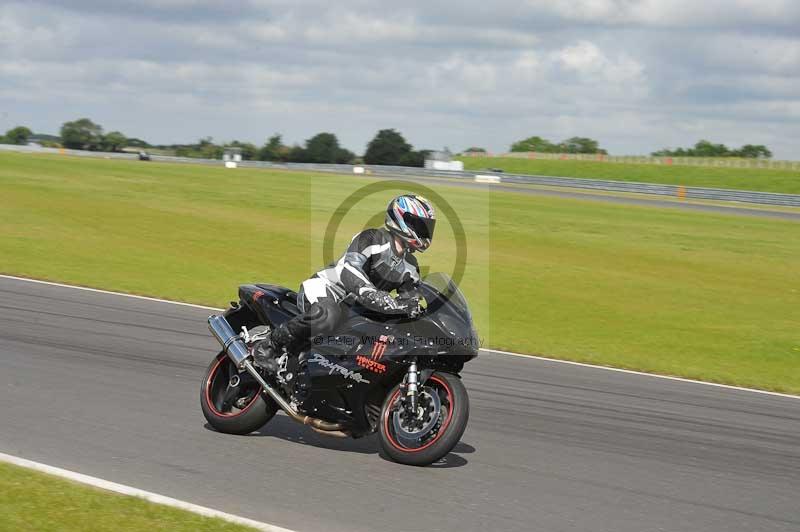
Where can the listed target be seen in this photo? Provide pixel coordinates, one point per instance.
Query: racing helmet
(411, 218)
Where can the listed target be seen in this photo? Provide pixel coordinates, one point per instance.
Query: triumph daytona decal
(371, 365)
(336, 368)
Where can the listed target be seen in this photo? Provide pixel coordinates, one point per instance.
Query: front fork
(413, 381)
(412, 385)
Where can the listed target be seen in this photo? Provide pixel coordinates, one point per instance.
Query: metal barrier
(676, 191)
(64, 151)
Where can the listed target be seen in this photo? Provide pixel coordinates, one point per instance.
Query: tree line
(82, 134)
(570, 145)
(387, 147)
(18, 135)
(705, 148)
(702, 148)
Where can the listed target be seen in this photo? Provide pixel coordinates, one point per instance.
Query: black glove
(380, 301)
(410, 304)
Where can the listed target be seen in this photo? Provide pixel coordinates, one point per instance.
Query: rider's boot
(267, 352)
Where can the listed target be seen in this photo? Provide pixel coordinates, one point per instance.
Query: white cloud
(715, 13)
(588, 10)
(586, 59)
(637, 75)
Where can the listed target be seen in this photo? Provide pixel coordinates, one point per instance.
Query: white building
(443, 160)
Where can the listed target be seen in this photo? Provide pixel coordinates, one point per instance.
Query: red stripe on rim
(210, 403)
(439, 434)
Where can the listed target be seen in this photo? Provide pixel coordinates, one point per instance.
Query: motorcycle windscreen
(448, 310)
(447, 292)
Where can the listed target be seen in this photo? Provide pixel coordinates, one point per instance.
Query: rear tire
(452, 422)
(241, 409)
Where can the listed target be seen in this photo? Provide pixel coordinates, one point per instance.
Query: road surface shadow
(283, 428)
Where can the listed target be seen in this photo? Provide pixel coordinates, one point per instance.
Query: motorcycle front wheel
(427, 435)
(233, 402)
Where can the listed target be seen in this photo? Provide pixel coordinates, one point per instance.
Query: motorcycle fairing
(271, 303)
(337, 395)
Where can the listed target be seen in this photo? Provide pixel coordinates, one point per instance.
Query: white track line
(633, 372)
(97, 290)
(521, 355)
(135, 492)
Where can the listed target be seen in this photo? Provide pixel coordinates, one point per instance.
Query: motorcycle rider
(376, 262)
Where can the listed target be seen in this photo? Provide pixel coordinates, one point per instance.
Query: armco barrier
(676, 191)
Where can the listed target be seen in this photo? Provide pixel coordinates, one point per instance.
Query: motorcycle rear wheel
(435, 442)
(233, 403)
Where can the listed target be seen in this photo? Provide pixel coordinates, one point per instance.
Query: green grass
(35, 501)
(766, 180)
(699, 295)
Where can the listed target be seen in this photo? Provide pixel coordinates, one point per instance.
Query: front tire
(233, 403)
(432, 444)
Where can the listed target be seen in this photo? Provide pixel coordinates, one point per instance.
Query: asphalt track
(108, 386)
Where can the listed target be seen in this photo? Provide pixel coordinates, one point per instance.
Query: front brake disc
(409, 436)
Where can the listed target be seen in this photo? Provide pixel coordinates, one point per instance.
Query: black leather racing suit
(370, 262)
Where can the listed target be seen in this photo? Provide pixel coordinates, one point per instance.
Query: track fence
(715, 162)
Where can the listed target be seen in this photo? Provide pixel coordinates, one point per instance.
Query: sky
(636, 76)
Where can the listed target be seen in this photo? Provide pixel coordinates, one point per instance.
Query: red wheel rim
(210, 381)
(442, 429)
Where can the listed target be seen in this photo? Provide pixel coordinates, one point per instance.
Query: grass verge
(765, 180)
(41, 502)
(692, 294)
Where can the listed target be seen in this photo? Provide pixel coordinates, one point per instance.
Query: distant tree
(580, 145)
(44, 139)
(705, 148)
(324, 148)
(475, 150)
(388, 147)
(138, 143)
(18, 135)
(666, 152)
(571, 145)
(205, 148)
(750, 151)
(415, 158)
(296, 154)
(274, 149)
(208, 150)
(249, 150)
(345, 156)
(82, 134)
(114, 141)
(321, 148)
(535, 143)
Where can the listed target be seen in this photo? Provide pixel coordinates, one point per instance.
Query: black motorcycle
(391, 373)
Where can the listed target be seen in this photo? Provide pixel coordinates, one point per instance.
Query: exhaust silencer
(231, 343)
(235, 348)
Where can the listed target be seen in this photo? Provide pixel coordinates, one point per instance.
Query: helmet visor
(423, 227)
